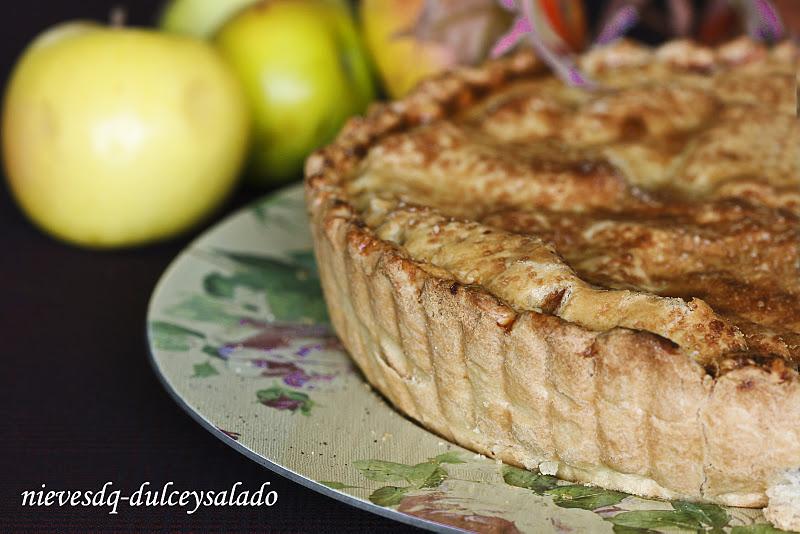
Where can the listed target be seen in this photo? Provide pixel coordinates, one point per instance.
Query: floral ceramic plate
(238, 334)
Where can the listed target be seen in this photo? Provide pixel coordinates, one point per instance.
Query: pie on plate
(602, 285)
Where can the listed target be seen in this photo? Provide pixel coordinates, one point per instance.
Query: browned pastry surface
(602, 284)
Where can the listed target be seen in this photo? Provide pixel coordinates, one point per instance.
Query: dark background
(79, 402)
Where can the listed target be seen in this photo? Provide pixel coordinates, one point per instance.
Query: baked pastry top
(669, 200)
(664, 202)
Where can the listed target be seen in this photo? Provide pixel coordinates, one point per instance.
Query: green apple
(115, 136)
(305, 72)
(200, 18)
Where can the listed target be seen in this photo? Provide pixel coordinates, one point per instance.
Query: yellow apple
(115, 136)
(200, 18)
(401, 59)
(305, 72)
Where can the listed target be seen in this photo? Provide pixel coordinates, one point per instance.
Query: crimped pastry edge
(621, 409)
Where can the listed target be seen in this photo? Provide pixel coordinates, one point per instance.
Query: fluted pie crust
(599, 284)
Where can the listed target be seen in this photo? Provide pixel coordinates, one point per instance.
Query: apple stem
(117, 17)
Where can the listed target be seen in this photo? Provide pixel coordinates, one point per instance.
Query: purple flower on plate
(307, 349)
(281, 398)
(299, 378)
(274, 351)
(274, 368)
(277, 336)
(289, 372)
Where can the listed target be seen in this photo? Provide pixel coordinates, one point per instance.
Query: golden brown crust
(484, 334)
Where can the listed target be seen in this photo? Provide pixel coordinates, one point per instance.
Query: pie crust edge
(622, 409)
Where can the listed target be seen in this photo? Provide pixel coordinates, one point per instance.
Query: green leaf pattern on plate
(522, 478)
(282, 398)
(389, 495)
(425, 475)
(707, 514)
(291, 287)
(426, 478)
(173, 337)
(684, 515)
(584, 497)
(452, 457)
(204, 309)
(205, 369)
(291, 293)
(758, 528)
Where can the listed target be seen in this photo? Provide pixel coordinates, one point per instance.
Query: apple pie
(602, 284)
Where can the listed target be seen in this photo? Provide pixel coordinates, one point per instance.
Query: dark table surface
(80, 402)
